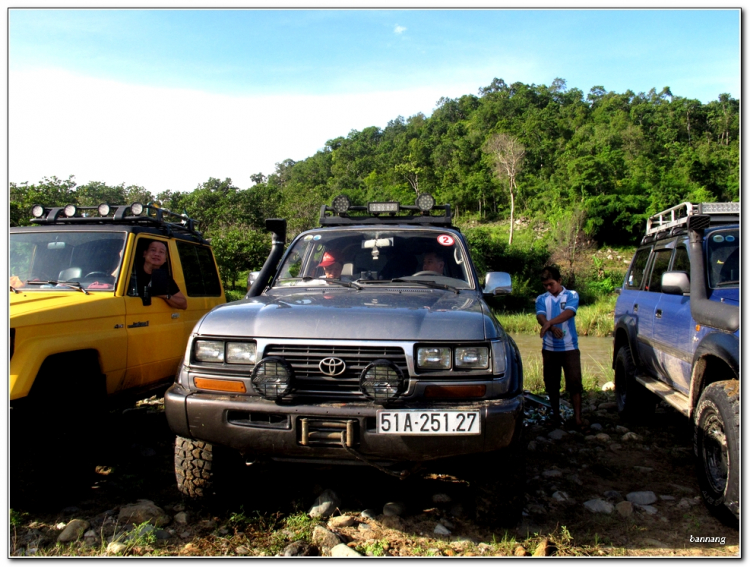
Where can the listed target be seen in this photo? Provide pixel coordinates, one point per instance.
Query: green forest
(564, 170)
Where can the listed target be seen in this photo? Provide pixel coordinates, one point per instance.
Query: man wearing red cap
(331, 266)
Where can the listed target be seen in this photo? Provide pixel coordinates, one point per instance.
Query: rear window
(199, 268)
(635, 276)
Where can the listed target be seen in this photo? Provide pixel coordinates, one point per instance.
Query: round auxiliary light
(382, 381)
(136, 209)
(272, 378)
(341, 204)
(103, 209)
(70, 210)
(37, 211)
(425, 202)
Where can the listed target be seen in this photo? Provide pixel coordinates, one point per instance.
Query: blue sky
(168, 98)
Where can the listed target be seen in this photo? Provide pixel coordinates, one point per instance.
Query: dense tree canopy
(614, 158)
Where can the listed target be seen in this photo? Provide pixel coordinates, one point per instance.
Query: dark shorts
(570, 362)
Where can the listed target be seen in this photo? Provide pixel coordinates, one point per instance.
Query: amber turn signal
(455, 391)
(220, 385)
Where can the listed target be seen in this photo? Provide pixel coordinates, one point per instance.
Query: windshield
(374, 257)
(45, 260)
(724, 258)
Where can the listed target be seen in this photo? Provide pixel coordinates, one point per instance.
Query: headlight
(241, 353)
(209, 351)
(272, 378)
(472, 357)
(382, 381)
(438, 358)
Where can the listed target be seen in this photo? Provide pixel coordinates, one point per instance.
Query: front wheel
(717, 449)
(202, 469)
(634, 400)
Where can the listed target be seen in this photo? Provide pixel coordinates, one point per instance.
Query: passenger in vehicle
(158, 280)
(433, 262)
(331, 265)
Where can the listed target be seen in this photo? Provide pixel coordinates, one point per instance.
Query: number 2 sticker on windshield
(445, 240)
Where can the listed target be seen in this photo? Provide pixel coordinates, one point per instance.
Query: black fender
(627, 325)
(723, 346)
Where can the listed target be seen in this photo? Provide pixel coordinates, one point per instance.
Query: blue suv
(677, 337)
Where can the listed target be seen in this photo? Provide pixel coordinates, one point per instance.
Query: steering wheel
(426, 273)
(97, 274)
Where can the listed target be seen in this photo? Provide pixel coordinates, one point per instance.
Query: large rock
(624, 508)
(299, 549)
(116, 547)
(598, 506)
(343, 550)
(557, 434)
(325, 505)
(325, 539)
(143, 511)
(644, 497)
(73, 530)
(341, 522)
(394, 509)
(440, 529)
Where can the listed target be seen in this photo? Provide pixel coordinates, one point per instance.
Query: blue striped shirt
(551, 306)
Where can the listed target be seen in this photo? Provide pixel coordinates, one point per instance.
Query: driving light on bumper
(272, 378)
(382, 381)
(472, 357)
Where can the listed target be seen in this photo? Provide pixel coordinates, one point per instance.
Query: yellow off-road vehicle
(81, 336)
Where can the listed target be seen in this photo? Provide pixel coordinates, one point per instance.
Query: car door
(645, 306)
(155, 332)
(673, 329)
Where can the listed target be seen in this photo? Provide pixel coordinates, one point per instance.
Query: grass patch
(596, 320)
(533, 378)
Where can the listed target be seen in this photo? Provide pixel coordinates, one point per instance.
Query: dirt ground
(135, 462)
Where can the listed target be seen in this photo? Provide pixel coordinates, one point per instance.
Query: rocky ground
(621, 490)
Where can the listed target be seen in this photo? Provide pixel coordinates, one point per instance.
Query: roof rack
(330, 217)
(140, 215)
(677, 216)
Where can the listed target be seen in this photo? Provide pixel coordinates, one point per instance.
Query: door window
(635, 277)
(658, 267)
(199, 269)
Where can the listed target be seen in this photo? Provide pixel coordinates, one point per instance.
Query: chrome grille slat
(305, 359)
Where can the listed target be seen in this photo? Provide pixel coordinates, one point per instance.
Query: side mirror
(675, 283)
(497, 283)
(251, 277)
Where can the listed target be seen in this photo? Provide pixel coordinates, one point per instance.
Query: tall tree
(507, 154)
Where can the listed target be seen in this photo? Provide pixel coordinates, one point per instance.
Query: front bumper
(259, 428)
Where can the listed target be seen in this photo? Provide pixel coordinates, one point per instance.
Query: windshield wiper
(328, 280)
(73, 285)
(427, 283)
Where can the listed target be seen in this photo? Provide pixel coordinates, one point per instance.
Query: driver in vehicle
(159, 281)
(331, 266)
(433, 262)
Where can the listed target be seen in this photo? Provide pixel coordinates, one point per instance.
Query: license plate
(423, 422)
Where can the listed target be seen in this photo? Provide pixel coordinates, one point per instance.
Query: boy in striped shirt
(555, 311)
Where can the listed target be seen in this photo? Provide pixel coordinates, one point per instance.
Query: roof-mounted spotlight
(70, 210)
(103, 209)
(37, 211)
(136, 209)
(341, 204)
(425, 202)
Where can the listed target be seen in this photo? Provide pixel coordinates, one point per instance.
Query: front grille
(310, 380)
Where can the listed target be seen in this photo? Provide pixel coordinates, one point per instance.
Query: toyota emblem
(332, 366)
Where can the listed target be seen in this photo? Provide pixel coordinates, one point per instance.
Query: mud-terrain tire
(717, 448)
(499, 480)
(203, 469)
(634, 401)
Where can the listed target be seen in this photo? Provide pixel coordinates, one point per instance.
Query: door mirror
(497, 283)
(675, 283)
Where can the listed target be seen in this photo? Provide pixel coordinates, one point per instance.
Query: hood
(49, 307)
(412, 314)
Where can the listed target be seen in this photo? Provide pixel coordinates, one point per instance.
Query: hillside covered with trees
(595, 164)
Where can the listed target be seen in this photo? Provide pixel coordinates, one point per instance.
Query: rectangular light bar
(714, 208)
(382, 207)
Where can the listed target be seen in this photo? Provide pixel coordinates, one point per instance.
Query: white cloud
(63, 124)
(397, 29)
